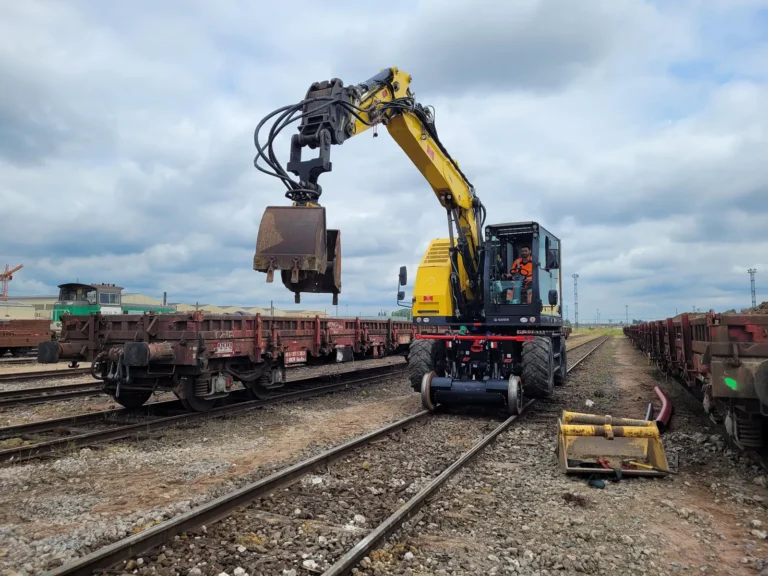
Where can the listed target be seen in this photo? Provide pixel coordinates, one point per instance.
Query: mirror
(553, 297)
(553, 259)
(400, 296)
(403, 276)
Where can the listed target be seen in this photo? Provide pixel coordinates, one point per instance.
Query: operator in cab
(522, 266)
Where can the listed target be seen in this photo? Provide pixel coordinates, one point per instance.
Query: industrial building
(42, 307)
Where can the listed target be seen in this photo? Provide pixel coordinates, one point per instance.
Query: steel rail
(42, 374)
(46, 394)
(348, 561)
(219, 508)
(82, 418)
(30, 451)
(19, 360)
(580, 344)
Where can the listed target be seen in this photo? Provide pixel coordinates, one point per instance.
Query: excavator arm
(294, 240)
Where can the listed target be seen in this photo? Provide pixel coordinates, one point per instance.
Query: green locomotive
(82, 299)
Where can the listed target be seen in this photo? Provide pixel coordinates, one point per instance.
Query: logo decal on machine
(430, 152)
(429, 298)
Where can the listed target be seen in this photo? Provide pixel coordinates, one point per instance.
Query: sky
(634, 131)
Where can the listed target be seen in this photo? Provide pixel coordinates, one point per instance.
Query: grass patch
(599, 331)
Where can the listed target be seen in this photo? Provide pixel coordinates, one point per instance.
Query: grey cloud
(460, 47)
(173, 202)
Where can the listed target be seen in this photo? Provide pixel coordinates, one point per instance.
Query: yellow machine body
(594, 444)
(432, 288)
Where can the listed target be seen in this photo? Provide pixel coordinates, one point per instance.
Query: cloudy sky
(635, 131)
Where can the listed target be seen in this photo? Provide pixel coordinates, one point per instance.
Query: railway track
(72, 432)
(13, 377)
(18, 360)
(47, 394)
(215, 510)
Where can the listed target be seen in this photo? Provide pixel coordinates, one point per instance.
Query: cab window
(107, 298)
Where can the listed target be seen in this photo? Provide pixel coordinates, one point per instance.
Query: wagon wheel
(260, 388)
(190, 401)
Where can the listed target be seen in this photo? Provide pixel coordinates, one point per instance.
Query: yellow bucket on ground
(594, 444)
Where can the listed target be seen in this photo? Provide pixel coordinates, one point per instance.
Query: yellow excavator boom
(294, 239)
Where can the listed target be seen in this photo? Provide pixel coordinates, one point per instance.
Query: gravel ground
(54, 511)
(59, 409)
(309, 525)
(513, 511)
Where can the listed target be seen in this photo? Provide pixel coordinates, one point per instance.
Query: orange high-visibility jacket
(523, 268)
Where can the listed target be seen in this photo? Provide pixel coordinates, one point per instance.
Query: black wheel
(18, 352)
(423, 359)
(133, 399)
(538, 367)
(192, 402)
(271, 378)
(561, 375)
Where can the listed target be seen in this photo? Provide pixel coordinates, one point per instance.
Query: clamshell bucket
(294, 240)
(593, 444)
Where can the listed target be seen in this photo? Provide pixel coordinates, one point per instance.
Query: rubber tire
(561, 374)
(421, 360)
(133, 399)
(538, 368)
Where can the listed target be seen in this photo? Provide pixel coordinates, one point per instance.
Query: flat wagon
(20, 337)
(723, 358)
(201, 356)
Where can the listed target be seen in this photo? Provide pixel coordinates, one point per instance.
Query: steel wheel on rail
(190, 400)
(133, 398)
(514, 396)
(561, 375)
(426, 391)
(270, 379)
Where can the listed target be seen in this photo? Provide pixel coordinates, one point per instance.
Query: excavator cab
(294, 241)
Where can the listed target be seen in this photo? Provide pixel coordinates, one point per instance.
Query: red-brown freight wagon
(20, 337)
(199, 356)
(723, 358)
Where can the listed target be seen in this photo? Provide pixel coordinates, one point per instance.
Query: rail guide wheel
(514, 396)
(426, 391)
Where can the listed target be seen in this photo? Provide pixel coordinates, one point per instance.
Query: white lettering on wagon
(296, 357)
(225, 348)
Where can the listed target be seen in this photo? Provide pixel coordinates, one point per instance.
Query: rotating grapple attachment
(294, 241)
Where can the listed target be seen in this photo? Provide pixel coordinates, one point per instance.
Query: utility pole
(576, 300)
(597, 316)
(626, 309)
(752, 273)
(566, 311)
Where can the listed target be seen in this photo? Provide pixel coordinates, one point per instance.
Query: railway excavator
(489, 293)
